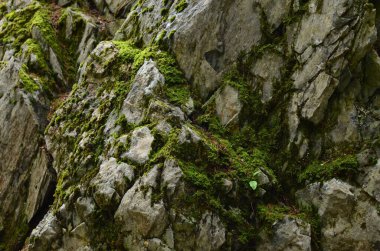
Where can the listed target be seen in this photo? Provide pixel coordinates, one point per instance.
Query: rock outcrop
(349, 214)
(189, 125)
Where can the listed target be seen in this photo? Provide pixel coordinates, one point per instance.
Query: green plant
(253, 183)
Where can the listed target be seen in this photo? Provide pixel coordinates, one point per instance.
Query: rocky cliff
(189, 125)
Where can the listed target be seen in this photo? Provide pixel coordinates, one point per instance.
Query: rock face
(203, 33)
(350, 218)
(32, 73)
(141, 207)
(26, 179)
(188, 125)
(289, 234)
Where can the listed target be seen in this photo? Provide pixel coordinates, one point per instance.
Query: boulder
(289, 234)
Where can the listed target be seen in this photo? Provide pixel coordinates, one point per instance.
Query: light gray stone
(228, 105)
(148, 82)
(268, 69)
(288, 234)
(141, 145)
(137, 213)
(111, 182)
(171, 176)
(371, 183)
(85, 208)
(47, 234)
(212, 233)
(202, 45)
(349, 218)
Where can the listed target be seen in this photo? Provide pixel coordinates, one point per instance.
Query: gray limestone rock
(288, 234)
(228, 105)
(137, 213)
(349, 218)
(148, 82)
(212, 233)
(141, 145)
(111, 182)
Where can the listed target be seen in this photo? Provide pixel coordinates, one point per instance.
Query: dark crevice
(215, 59)
(47, 201)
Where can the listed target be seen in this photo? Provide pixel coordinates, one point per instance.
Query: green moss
(166, 2)
(15, 28)
(196, 178)
(166, 64)
(35, 49)
(26, 81)
(164, 11)
(167, 150)
(3, 8)
(181, 6)
(343, 167)
(147, 9)
(160, 37)
(269, 214)
(178, 95)
(127, 51)
(41, 19)
(171, 19)
(171, 34)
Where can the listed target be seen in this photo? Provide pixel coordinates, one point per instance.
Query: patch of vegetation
(178, 94)
(27, 82)
(15, 30)
(166, 64)
(181, 6)
(41, 20)
(269, 214)
(343, 167)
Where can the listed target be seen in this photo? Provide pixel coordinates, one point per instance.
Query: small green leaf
(256, 173)
(253, 184)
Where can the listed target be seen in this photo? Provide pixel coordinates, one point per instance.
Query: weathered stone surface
(87, 35)
(371, 182)
(137, 212)
(322, 42)
(170, 177)
(266, 66)
(203, 46)
(111, 182)
(228, 105)
(289, 234)
(275, 11)
(212, 233)
(47, 234)
(148, 83)
(141, 145)
(26, 178)
(349, 218)
(267, 70)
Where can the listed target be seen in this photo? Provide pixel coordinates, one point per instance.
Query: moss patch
(181, 6)
(343, 167)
